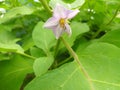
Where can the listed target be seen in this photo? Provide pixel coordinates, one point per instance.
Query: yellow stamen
(62, 22)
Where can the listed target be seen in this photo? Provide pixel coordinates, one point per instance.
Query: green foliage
(37, 52)
(27, 50)
(15, 12)
(94, 59)
(75, 4)
(70, 1)
(41, 65)
(99, 58)
(67, 77)
(78, 29)
(13, 72)
(112, 37)
(8, 43)
(43, 38)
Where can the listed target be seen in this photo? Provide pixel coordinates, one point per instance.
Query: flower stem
(46, 6)
(78, 62)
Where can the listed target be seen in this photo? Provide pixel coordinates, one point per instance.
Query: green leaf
(70, 1)
(42, 64)
(101, 61)
(82, 44)
(9, 47)
(6, 27)
(37, 52)
(13, 72)
(28, 42)
(8, 42)
(15, 12)
(75, 4)
(77, 29)
(113, 2)
(4, 56)
(112, 37)
(67, 77)
(43, 38)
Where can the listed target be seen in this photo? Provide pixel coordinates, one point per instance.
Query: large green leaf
(43, 38)
(101, 62)
(13, 72)
(67, 77)
(15, 12)
(112, 37)
(42, 64)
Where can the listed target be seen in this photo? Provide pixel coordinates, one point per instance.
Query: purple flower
(59, 21)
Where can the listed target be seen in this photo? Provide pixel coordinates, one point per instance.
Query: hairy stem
(46, 6)
(78, 62)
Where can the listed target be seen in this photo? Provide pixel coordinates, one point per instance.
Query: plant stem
(97, 33)
(26, 55)
(64, 61)
(114, 15)
(46, 6)
(56, 48)
(78, 62)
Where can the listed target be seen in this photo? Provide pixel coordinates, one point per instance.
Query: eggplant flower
(59, 21)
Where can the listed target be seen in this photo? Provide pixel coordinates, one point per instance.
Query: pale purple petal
(72, 13)
(68, 29)
(51, 23)
(60, 11)
(58, 31)
(58, 23)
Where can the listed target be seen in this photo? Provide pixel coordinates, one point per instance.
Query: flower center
(62, 22)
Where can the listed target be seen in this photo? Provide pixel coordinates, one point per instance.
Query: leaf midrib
(69, 77)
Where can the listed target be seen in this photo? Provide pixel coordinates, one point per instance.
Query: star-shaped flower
(59, 21)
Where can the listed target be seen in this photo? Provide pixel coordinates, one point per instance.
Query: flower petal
(59, 11)
(72, 13)
(58, 31)
(51, 23)
(68, 29)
